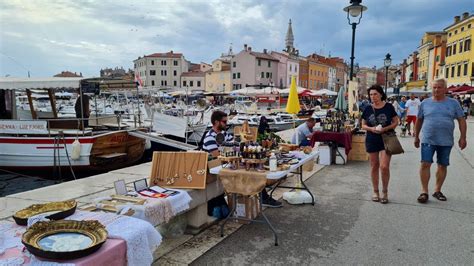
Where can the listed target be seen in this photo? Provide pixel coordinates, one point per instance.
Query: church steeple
(289, 38)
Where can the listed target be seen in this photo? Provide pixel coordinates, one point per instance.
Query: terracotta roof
(264, 56)
(68, 74)
(193, 74)
(166, 55)
(194, 67)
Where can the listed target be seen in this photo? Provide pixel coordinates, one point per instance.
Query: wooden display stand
(254, 163)
(234, 161)
(179, 169)
(358, 152)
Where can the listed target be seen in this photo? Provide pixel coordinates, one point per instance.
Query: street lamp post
(355, 11)
(387, 62)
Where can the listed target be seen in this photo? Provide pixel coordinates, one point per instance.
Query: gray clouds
(47, 37)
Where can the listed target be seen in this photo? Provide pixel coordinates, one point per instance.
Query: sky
(46, 37)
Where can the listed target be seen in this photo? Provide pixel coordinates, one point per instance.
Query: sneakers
(271, 203)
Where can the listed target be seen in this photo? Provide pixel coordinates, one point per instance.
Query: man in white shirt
(412, 106)
(303, 133)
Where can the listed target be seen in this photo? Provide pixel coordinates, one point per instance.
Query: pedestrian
(378, 118)
(436, 124)
(263, 126)
(466, 105)
(403, 110)
(412, 106)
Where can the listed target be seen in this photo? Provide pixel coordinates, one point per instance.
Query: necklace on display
(200, 171)
(190, 177)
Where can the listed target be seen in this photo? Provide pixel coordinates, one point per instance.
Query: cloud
(85, 36)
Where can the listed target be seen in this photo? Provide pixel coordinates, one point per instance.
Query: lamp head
(355, 9)
(388, 60)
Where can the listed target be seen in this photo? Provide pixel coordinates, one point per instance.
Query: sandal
(384, 199)
(423, 198)
(439, 196)
(375, 197)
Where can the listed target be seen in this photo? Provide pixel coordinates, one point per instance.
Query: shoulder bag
(390, 140)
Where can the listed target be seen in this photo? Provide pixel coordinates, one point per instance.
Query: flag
(138, 80)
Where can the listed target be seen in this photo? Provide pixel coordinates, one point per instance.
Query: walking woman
(377, 119)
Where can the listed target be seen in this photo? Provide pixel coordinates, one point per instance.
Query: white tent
(255, 91)
(325, 92)
(287, 90)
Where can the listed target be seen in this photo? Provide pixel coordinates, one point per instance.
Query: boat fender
(76, 150)
(147, 144)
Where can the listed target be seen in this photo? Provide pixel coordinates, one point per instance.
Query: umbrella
(325, 91)
(293, 105)
(341, 104)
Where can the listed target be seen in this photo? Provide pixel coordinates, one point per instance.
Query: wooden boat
(44, 144)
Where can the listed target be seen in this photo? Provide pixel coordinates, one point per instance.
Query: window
(262, 75)
(199, 83)
(271, 75)
(468, 26)
(152, 83)
(459, 70)
(175, 73)
(447, 73)
(296, 68)
(456, 32)
(166, 83)
(465, 69)
(290, 67)
(268, 75)
(437, 73)
(162, 83)
(175, 62)
(233, 75)
(462, 29)
(191, 83)
(152, 72)
(460, 46)
(184, 83)
(234, 64)
(269, 63)
(238, 75)
(289, 80)
(454, 49)
(472, 70)
(467, 45)
(259, 62)
(152, 62)
(437, 58)
(448, 51)
(163, 62)
(450, 34)
(452, 71)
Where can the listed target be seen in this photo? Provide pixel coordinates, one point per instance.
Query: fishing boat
(47, 143)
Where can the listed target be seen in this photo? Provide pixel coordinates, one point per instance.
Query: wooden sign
(179, 169)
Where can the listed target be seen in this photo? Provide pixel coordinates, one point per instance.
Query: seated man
(303, 133)
(219, 122)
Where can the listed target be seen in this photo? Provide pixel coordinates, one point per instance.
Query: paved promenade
(345, 227)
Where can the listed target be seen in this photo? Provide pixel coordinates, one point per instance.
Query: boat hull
(103, 152)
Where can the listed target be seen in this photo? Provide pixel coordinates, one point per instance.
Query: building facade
(459, 65)
(303, 72)
(251, 68)
(366, 77)
(219, 78)
(161, 70)
(341, 71)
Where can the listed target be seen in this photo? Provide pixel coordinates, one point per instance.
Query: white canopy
(255, 91)
(324, 92)
(39, 83)
(287, 90)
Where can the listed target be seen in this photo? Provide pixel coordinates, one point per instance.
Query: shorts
(411, 118)
(442, 153)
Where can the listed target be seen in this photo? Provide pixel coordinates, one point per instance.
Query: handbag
(390, 141)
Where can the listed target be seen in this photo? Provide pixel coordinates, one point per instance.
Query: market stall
(248, 166)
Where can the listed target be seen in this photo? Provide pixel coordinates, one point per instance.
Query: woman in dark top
(263, 126)
(378, 118)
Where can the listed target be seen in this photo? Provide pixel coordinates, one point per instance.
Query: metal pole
(354, 25)
(138, 100)
(386, 79)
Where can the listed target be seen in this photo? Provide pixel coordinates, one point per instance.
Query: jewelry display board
(179, 169)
